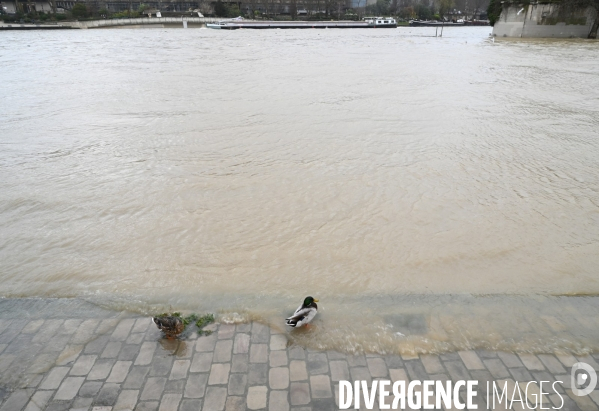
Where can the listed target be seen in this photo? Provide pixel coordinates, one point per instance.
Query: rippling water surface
(433, 193)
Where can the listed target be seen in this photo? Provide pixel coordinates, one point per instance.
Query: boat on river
(381, 22)
(368, 22)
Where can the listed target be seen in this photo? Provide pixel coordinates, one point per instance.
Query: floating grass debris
(193, 318)
(201, 322)
(190, 319)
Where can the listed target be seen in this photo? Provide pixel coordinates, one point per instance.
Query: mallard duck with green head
(304, 313)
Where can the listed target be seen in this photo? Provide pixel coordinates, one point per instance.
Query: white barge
(368, 22)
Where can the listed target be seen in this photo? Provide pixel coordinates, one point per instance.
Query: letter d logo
(581, 374)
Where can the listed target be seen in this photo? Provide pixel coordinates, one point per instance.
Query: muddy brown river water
(433, 193)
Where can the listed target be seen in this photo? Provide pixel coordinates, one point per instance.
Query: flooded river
(433, 193)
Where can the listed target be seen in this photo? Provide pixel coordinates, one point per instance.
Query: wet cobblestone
(56, 357)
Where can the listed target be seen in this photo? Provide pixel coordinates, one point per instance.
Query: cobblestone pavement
(71, 355)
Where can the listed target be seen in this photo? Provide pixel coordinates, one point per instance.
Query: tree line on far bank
(79, 11)
(277, 9)
(326, 9)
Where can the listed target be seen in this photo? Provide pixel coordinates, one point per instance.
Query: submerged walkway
(72, 355)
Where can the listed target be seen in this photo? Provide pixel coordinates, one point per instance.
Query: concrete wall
(543, 20)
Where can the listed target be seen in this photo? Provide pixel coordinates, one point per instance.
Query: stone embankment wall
(543, 20)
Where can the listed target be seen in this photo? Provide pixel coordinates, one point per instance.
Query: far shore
(139, 22)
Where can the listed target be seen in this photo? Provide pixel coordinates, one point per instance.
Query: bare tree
(445, 6)
(477, 7)
(293, 9)
(313, 6)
